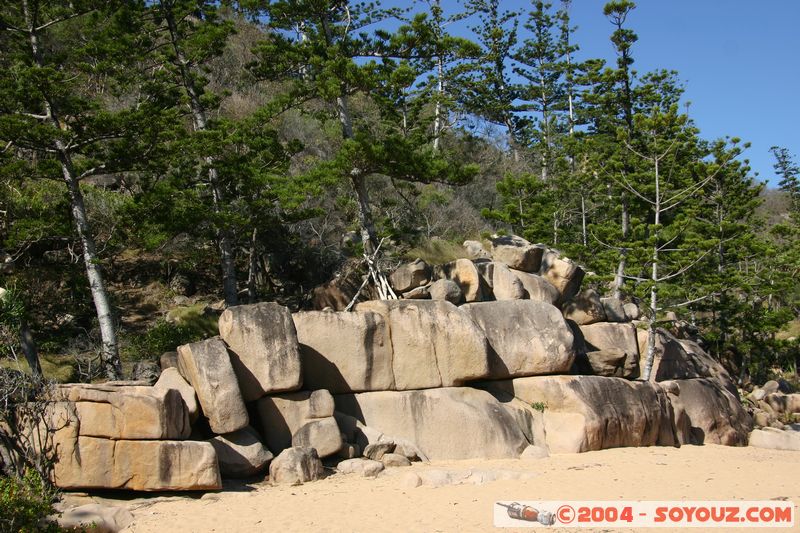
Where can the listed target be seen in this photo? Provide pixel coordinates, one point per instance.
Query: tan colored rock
(501, 281)
(241, 453)
(448, 423)
(612, 338)
(475, 250)
(395, 460)
(96, 518)
(464, 273)
(344, 351)
(563, 274)
(295, 466)
(526, 337)
(171, 379)
(128, 412)
(707, 413)
(538, 288)
(264, 350)
(168, 360)
(363, 467)
(585, 308)
(410, 276)
(424, 293)
(783, 403)
(207, 367)
(280, 416)
(632, 311)
(585, 413)
(434, 343)
(447, 290)
(147, 465)
(321, 434)
(517, 253)
(678, 359)
(775, 439)
(615, 310)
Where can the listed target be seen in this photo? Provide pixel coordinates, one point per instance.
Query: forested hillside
(163, 159)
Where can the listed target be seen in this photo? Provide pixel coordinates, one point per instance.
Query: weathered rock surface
(563, 274)
(464, 273)
(707, 413)
(615, 310)
(783, 403)
(584, 413)
(241, 453)
(295, 466)
(611, 339)
(264, 350)
(678, 359)
(344, 351)
(207, 367)
(364, 467)
(424, 293)
(410, 276)
(321, 434)
(395, 460)
(526, 337)
(96, 518)
(500, 282)
(128, 412)
(449, 423)
(280, 416)
(585, 308)
(168, 360)
(775, 439)
(147, 465)
(517, 253)
(171, 379)
(447, 290)
(475, 250)
(632, 311)
(434, 343)
(538, 288)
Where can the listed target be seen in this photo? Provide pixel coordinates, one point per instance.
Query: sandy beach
(387, 503)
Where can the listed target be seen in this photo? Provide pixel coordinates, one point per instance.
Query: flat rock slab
(96, 463)
(344, 351)
(95, 518)
(526, 337)
(448, 423)
(434, 343)
(585, 413)
(264, 350)
(206, 365)
(775, 439)
(128, 412)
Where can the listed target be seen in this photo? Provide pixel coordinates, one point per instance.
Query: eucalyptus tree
(71, 107)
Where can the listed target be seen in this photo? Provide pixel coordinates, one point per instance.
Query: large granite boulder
(284, 420)
(264, 350)
(447, 423)
(585, 413)
(446, 290)
(465, 274)
(147, 465)
(500, 282)
(516, 252)
(526, 337)
(563, 274)
(409, 276)
(538, 288)
(128, 412)
(171, 378)
(241, 453)
(434, 343)
(679, 359)
(585, 308)
(207, 367)
(611, 349)
(344, 351)
(706, 412)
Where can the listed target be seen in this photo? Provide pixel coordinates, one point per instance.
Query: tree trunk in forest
(105, 318)
(29, 349)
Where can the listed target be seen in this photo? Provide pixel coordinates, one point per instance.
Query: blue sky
(740, 62)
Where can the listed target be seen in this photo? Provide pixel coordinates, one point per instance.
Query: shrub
(25, 503)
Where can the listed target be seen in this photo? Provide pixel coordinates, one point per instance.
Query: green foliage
(187, 324)
(539, 406)
(25, 503)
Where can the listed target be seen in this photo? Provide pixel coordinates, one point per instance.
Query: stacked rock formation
(506, 350)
